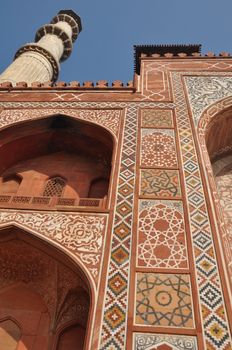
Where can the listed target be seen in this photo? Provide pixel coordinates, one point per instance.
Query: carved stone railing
(51, 203)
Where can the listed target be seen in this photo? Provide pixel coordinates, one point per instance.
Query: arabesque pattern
(160, 183)
(148, 341)
(107, 118)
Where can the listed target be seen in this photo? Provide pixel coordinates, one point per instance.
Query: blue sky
(104, 49)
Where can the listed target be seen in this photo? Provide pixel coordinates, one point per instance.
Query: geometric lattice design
(161, 241)
(164, 300)
(54, 187)
(160, 183)
(158, 148)
(147, 341)
(157, 118)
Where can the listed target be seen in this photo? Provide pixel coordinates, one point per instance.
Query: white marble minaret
(39, 61)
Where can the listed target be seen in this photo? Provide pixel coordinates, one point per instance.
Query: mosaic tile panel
(158, 148)
(161, 235)
(160, 183)
(157, 118)
(164, 300)
(215, 324)
(147, 341)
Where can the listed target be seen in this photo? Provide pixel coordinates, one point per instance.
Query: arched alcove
(71, 338)
(98, 188)
(43, 291)
(56, 147)
(10, 184)
(10, 334)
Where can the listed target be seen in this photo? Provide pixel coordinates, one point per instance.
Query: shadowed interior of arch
(44, 296)
(53, 148)
(219, 145)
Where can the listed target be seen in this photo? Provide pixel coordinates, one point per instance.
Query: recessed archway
(43, 291)
(53, 147)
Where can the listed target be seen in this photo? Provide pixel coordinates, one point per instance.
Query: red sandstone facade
(115, 209)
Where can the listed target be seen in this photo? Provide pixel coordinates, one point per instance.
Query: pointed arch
(36, 254)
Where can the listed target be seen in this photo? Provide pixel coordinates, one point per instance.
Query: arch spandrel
(205, 91)
(81, 237)
(108, 119)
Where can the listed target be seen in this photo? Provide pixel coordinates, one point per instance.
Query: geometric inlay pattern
(147, 341)
(158, 148)
(160, 183)
(161, 235)
(113, 331)
(215, 324)
(164, 300)
(157, 118)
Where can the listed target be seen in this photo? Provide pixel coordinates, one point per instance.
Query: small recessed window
(54, 187)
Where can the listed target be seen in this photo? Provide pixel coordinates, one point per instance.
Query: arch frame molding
(205, 121)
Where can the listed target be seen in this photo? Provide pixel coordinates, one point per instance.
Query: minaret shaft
(29, 67)
(40, 61)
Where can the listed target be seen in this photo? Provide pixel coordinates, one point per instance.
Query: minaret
(39, 61)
